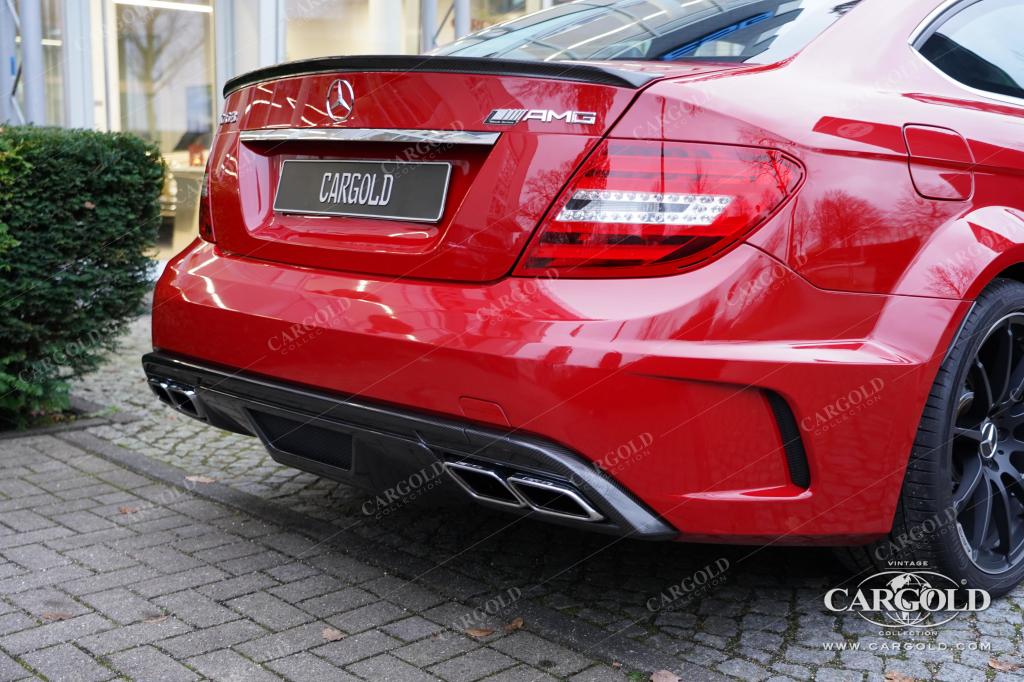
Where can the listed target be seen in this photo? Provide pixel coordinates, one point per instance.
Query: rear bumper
(396, 453)
(678, 388)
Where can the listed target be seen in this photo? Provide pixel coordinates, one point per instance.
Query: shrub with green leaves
(79, 216)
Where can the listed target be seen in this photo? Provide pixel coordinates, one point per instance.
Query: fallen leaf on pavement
(516, 624)
(1002, 666)
(333, 634)
(127, 510)
(664, 676)
(898, 677)
(152, 620)
(479, 633)
(200, 479)
(55, 615)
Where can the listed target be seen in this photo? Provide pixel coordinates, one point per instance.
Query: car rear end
(459, 270)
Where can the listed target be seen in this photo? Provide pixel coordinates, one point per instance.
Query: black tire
(928, 526)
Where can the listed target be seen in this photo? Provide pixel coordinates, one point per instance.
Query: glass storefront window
(53, 61)
(164, 75)
(165, 69)
(336, 27)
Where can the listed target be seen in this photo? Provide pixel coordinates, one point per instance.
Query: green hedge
(79, 216)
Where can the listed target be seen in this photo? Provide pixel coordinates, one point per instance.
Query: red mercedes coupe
(744, 271)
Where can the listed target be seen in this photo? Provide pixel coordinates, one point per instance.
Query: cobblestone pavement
(763, 618)
(107, 574)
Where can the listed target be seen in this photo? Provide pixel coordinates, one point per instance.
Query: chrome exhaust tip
(483, 484)
(181, 398)
(553, 499)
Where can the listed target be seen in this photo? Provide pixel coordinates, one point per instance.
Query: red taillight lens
(205, 214)
(648, 208)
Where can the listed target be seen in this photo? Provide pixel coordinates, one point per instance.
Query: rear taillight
(205, 214)
(648, 208)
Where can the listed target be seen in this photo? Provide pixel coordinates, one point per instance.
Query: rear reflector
(649, 208)
(205, 214)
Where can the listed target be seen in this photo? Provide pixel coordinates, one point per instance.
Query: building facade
(156, 68)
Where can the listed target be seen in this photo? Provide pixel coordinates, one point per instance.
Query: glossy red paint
(843, 303)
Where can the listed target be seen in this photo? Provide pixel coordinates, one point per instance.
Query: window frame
(931, 24)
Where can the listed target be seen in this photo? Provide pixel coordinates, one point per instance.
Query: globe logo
(903, 582)
(907, 599)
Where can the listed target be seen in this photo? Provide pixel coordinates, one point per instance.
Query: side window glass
(982, 46)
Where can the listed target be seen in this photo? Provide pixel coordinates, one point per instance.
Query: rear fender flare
(965, 254)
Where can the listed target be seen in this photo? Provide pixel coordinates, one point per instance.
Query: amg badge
(508, 117)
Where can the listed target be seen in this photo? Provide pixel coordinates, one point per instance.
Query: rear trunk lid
(476, 151)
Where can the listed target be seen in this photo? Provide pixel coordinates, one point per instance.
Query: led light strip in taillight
(643, 208)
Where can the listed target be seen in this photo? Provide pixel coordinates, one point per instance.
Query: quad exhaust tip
(181, 398)
(522, 492)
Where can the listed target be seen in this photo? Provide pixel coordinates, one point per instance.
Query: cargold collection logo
(907, 599)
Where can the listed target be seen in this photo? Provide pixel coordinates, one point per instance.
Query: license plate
(394, 190)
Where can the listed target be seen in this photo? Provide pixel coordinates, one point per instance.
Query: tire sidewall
(1008, 298)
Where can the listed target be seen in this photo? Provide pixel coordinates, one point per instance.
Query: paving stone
(11, 670)
(744, 670)
(600, 674)
(195, 608)
(166, 559)
(435, 648)
(54, 633)
(366, 617)
(228, 665)
(305, 588)
(337, 602)
(284, 643)
(47, 600)
(538, 652)
(179, 581)
(234, 550)
(35, 556)
(211, 639)
(136, 634)
(101, 558)
(83, 522)
(147, 663)
(40, 578)
(356, 647)
(223, 590)
(412, 628)
(954, 672)
(387, 667)
(67, 663)
(269, 611)
(122, 606)
(15, 622)
(473, 665)
(24, 521)
(305, 667)
(107, 581)
(295, 571)
(524, 673)
(254, 562)
(835, 675)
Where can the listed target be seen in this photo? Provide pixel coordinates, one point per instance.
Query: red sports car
(745, 271)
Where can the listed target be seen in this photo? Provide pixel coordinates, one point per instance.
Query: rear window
(753, 31)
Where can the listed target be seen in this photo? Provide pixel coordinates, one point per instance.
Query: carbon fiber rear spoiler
(566, 71)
